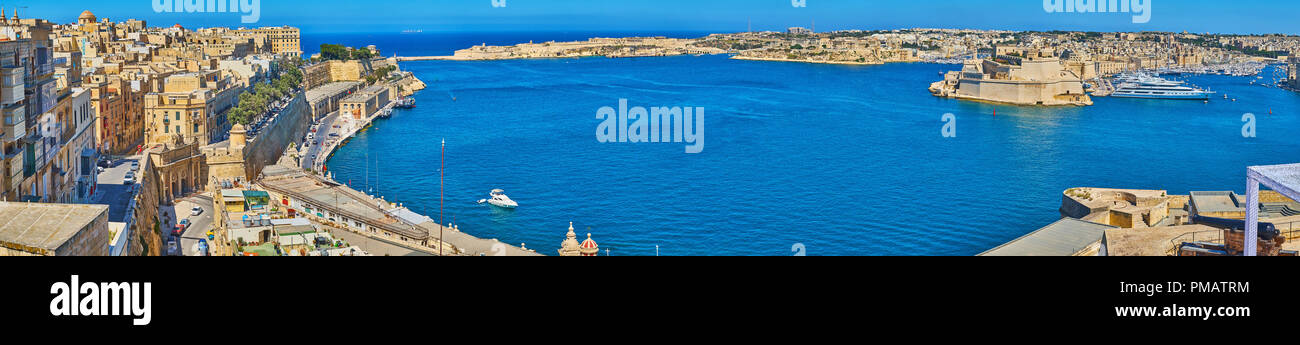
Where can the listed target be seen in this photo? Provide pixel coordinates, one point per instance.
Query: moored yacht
(1146, 86)
(406, 103)
(499, 199)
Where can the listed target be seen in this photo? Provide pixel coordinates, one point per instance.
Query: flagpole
(441, 193)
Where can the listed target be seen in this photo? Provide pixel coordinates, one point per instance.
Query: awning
(1284, 179)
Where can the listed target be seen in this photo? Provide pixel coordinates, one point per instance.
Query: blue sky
(1227, 16)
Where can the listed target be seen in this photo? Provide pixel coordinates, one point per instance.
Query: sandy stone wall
(292, 125)
(145, 239)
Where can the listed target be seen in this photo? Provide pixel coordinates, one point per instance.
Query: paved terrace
(340, 199)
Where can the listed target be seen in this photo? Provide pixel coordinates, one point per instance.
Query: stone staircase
(1280, 209)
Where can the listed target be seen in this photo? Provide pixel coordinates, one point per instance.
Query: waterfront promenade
(319, 148)
(394, 226)
(318, 154)
(340, 207)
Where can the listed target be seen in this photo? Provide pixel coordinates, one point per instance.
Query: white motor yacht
(499, 199)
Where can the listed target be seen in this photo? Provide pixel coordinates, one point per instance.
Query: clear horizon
(337, 16)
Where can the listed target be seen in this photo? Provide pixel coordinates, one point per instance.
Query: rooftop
(1218, 202)
(1157, 241)
(1065, 237)
(358, 97)
(232, 194)
(45, 226)
(266, 249)
(338, 199)
(315, 95)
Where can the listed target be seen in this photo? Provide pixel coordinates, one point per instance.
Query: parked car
(135, 165)
(129, 179)
(196, 211)
(179, 229)
(173, 249)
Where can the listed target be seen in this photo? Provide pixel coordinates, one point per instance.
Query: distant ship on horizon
(413, 31)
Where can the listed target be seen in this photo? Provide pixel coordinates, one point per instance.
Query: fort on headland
(1035, 77)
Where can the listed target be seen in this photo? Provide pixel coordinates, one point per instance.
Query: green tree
(334, 52)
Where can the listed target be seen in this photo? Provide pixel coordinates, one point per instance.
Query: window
(166, 130)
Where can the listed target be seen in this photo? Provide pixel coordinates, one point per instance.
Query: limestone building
(365, 102)
(31, 229)
(180, 167)
(192, 107)
(285, 41)
(1036, 79)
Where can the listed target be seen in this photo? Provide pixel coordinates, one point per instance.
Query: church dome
(589, 247)
(87, 16)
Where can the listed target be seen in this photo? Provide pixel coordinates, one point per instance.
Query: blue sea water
(845, 160)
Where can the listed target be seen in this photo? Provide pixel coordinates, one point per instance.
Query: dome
(589, 247)
(178, 26)
(86, 15)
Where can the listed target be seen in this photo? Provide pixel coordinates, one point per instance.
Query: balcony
(14, 124)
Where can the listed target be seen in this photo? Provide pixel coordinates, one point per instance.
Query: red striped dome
(589, 244)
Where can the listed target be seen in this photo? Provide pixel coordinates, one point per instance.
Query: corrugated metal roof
(1062, 238)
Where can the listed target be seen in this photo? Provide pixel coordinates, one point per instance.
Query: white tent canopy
(1284, 179)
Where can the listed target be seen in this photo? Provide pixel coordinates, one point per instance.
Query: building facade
(284, 41)
(191, 107)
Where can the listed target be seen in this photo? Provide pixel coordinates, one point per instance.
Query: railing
(1211, 236)
(1290, 230)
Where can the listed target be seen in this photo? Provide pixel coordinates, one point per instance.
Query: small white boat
(499, 199)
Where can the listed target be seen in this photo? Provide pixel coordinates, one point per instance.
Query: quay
(336, 205)
(432, 58)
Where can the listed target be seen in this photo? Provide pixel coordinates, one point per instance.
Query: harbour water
(846, 160)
